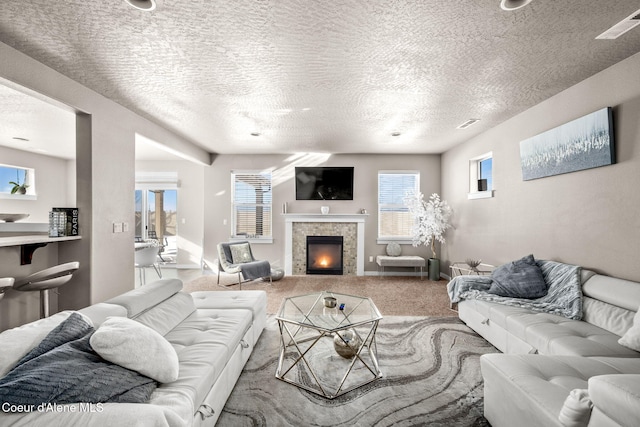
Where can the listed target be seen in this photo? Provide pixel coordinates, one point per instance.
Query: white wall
(218, 201)
(588, 218)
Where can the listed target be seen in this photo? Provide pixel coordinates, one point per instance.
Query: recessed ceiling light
(395, 134)
(468, 123)
(513, 4)
(146, 5)
(19, 138)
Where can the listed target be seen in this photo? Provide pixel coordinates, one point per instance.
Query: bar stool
(45, 280)
(5, 283)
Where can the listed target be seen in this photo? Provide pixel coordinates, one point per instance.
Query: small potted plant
(17, 187)
(431, 222)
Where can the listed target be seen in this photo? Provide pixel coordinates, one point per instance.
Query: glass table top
(328, 310)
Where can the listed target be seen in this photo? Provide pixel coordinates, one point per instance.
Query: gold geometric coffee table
(328, 342)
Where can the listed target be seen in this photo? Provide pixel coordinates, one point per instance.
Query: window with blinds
(394, 220)
(252, 204)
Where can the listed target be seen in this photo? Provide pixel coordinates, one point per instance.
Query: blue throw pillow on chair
(519, 279)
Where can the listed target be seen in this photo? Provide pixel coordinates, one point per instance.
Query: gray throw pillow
(519, 279)
(240, 253)
(394, 249)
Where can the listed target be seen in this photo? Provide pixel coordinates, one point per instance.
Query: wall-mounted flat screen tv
(324, 183)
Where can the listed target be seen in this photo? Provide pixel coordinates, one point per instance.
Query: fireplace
(324, 255)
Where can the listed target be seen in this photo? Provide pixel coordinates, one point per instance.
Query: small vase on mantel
(434, 269)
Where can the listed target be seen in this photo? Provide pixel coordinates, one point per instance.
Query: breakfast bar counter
(29, 243)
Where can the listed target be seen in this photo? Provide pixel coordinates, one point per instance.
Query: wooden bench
(400, 261)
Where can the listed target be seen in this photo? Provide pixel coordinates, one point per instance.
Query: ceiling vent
(468, 123)
(621, 27)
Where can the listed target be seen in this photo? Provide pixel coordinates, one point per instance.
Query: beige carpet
(394, 296)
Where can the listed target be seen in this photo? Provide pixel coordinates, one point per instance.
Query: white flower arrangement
(431, 219)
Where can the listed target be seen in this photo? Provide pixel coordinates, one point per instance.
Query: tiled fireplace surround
(299, 226)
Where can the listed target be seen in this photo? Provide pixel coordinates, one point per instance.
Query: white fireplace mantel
(290, 219)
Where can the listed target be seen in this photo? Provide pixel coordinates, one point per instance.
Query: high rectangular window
(485, 171)
(481, 177)
(16, 180)
(252, 204)
(394, 220)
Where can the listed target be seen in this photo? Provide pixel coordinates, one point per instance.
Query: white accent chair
(246, 269)
(147, 257)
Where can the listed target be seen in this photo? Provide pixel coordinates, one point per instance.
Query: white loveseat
(556, 371)
(213, 334)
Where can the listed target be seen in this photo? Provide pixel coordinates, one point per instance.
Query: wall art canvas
(583, 143)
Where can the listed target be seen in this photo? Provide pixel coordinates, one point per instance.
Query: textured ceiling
(29, 123)
(334, 76)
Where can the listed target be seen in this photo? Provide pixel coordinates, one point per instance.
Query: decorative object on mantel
(284, 208)
(324, 210)
(13, 217)
(431, 222)
(363, 211)
(583, 143)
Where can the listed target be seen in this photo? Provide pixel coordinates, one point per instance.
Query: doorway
(156, 219)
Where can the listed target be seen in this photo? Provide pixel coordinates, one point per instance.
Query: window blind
(394, 219)
(252, 204)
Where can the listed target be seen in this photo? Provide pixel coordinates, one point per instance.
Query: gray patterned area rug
(431, 376)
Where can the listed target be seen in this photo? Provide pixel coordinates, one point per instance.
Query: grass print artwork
(583, 143)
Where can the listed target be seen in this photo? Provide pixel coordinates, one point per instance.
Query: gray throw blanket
(63, 368)
(255, 269)
(563, 298)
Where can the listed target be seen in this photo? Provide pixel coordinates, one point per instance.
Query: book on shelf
(64, 222)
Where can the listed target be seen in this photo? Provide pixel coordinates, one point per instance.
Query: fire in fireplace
(324, 255)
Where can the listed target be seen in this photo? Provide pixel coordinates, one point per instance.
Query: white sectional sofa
(561, 372)
(213, 334)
